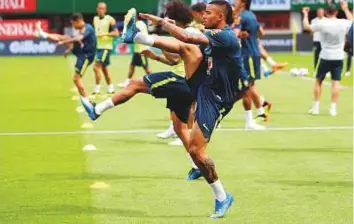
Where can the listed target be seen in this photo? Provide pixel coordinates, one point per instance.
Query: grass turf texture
(276, 176)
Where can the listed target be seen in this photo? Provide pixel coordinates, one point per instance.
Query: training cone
(89, 147)
(99, 185)
(87, 125)
(75, 98)
(80, 109)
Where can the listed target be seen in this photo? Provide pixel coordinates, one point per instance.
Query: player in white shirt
(332, 34)
(316, 35)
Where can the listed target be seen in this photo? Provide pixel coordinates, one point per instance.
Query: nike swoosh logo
(204, 125)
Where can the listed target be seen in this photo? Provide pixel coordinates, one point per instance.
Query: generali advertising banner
(18, 6)
(20, 28)
(271, 5)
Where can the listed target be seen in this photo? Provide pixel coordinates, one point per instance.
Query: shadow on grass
(312, 183)
(333, 149)
(63, 210)
(102, 177)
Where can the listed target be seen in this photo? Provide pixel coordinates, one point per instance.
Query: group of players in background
(216, 57)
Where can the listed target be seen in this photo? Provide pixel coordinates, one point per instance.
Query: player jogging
(333, 32)
(82, 46)
(106, 30)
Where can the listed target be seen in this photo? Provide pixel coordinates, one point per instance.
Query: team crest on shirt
(214, 32)
(210, 65)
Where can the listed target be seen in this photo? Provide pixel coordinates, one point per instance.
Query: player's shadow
(102, 177)
(333, 149)
(312, 183)
(72, 210)
(138, 141)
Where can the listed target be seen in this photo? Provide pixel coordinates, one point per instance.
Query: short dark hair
(331, 10)
(77, 16)
(199, 7)
(180, 12)
(226, 8)
(248, 4)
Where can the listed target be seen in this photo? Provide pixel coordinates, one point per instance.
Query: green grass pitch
(277, 176)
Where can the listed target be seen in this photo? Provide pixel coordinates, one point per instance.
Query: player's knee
(193, 150)
(76, 78)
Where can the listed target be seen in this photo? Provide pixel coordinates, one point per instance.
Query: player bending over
(106, 30)
(82, 46)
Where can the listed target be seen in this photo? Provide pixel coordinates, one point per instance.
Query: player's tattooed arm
(183, 35)
(207, 167)
(177, 32)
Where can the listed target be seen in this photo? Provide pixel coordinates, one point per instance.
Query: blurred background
(281, 20)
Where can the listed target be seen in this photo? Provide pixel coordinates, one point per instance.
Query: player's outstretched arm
(71, 40)
(172, 60)
(176, 31)
(305, 21)
(345, 8)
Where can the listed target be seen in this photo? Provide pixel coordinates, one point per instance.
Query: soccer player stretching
(217, 92)
(82, 46)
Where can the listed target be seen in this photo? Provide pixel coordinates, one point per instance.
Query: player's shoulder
(89, 27)
(192, 30)
(109, 17)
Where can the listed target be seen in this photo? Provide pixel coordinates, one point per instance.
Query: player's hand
(66, 53)
(102, 35)
(154, 19)
(60, 43)
(170, 20)
(149, 54)
(344, 5)
(306, 10)
(243, 34)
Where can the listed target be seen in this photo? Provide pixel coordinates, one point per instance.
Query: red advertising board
(18, 5)
(20, 28)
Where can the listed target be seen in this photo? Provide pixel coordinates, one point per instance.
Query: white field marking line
(143, 131)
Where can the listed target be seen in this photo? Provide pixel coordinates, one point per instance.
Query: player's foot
(90, 109)
(169, 133)
(314, 111)
(279, 66)
(130, 29)
(254, 126)
(332, 112)
(124, 84)
(267, 73)
(39, 33)
(176, 142)
(347, 74)
(267, 105)
(194, 174)
(262, 117)
(221, 207)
